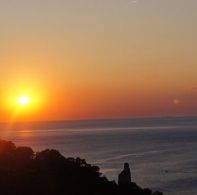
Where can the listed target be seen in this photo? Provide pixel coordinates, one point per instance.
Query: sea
(162, 152)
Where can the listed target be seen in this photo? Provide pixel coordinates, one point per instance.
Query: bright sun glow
(22, 103)
(23, 100)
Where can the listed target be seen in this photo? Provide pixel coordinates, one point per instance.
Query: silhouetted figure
(124, 178)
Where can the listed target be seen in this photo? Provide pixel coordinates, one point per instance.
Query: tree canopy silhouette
(24, 172)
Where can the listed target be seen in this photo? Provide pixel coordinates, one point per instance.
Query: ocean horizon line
(104, 123)
(106, 119)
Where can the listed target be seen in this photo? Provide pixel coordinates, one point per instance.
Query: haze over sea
(162, 152)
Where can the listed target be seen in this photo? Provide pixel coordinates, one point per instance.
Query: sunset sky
(94, 59)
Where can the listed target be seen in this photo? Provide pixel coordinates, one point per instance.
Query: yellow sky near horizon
(99, 59)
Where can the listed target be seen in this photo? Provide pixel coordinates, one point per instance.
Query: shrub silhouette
(24, 172)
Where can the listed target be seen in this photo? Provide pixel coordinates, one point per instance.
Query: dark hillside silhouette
(24, 172)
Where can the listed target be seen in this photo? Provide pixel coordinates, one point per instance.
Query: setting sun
(24, 100)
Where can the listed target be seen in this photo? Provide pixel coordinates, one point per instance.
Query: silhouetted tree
(23, 172)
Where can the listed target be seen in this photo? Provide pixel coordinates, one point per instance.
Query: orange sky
(98, 59)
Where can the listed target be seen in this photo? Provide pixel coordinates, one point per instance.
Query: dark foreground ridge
(24, 172)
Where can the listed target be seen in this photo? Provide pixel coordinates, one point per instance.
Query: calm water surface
(162, 152)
